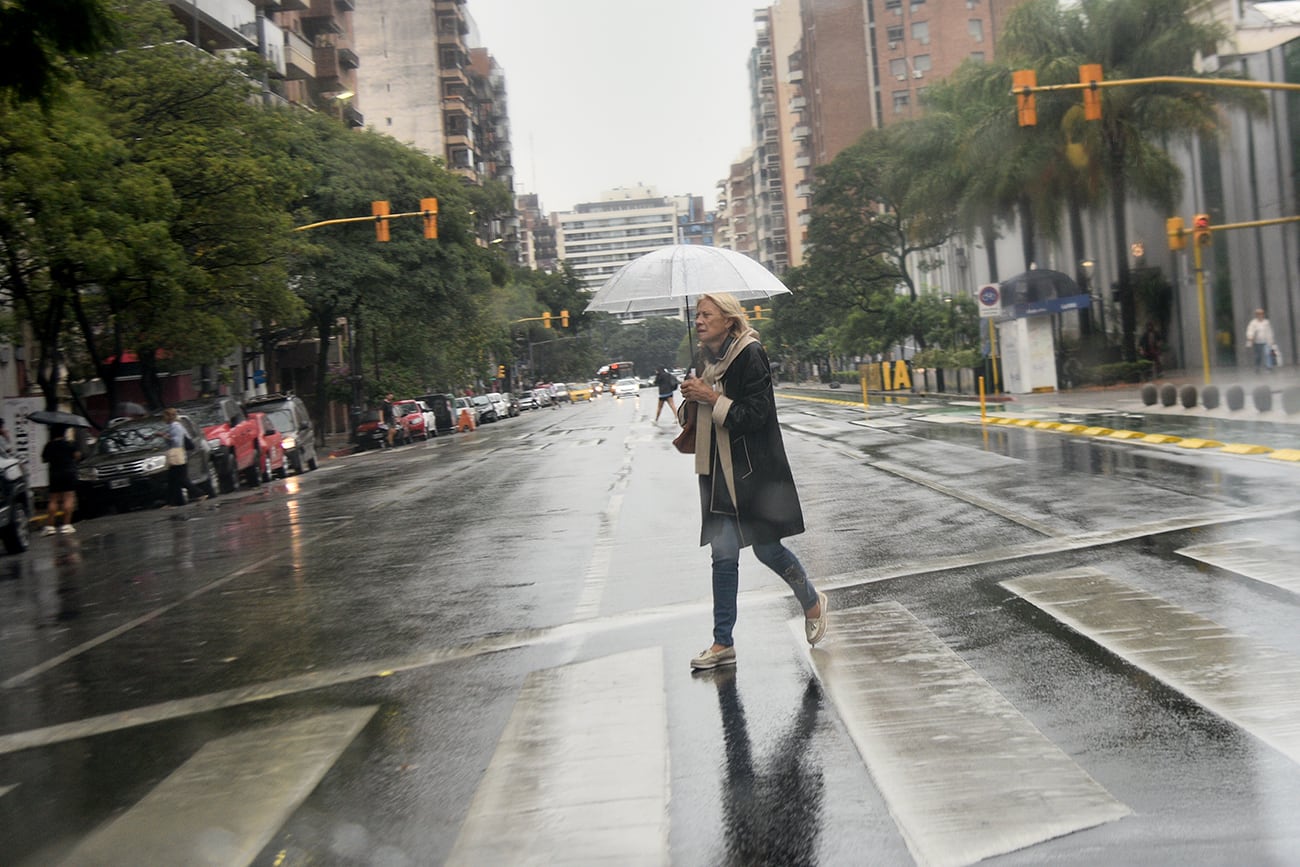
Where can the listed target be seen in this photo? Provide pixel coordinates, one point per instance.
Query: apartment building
(597, 238)
(306, 44)
(734, 223)
(536, 235)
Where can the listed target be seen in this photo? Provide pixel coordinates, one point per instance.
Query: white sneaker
(815, 630)
(709, 658)
(49, 531)
(67, 529)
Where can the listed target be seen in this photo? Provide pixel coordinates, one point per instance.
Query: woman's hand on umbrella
(695, 389)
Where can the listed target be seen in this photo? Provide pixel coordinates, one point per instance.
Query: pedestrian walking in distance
(747, 492)
(666, 384)
(1259, 337)
(62, 456)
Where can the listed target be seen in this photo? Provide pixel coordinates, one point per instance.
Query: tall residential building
(736, 205)
(597, 238)
(771, 236)
(536, 235)
(306, 45)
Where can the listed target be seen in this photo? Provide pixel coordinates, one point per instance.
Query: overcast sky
(612, 93)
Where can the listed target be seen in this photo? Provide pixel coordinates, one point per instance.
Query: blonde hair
(729, 307)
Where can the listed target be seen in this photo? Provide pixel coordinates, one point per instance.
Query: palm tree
(1130, 39)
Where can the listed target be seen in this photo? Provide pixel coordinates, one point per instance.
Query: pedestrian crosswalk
(585, 755)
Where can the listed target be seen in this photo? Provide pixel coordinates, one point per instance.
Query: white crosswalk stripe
(1242, 680)
(1250, 558)
(223, 805)
(965, 775)
(580, 774)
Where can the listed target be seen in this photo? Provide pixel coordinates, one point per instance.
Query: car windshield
(136, 437)
(402, 409)
(281, 420)
(481, 400)
(206, 415)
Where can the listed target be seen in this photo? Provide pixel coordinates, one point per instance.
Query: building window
(977, 56)
(976, 28)
(894, 33)
(921, 32)
(898, 68)
(921, 63)
(895, 6)
(902, 99)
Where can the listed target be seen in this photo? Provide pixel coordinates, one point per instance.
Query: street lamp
(1086, 268)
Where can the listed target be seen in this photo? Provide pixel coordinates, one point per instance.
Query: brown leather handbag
(684, 442)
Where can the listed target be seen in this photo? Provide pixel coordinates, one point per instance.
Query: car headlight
(87, 474)
(214, 444)
(155, 463)
(289, 443)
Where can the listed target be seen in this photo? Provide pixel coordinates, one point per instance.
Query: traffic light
(501, 371)
(430, 208)
(564, 319)
(380, 210)
(546, 319)
(1023, 81)
(758, 311)
(1201, 229)
(1174, 229)
(1090, 74)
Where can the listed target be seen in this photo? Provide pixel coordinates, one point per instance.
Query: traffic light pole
(1200, 306)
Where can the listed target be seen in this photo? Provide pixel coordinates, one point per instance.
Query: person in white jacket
(1259, 337)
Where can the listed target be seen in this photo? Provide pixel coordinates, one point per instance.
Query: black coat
(767, 503)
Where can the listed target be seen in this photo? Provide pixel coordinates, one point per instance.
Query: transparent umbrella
(680, 273)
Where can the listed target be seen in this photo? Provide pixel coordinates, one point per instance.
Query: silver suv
(288, 414)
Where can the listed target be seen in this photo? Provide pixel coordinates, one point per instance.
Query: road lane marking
(226, 803)
(1250, 684)
(966, 775)
(73, 652)
(902, 472)
(1250, 558)
(602, 549)
(4, 790)
(621, 621)
(581, 767)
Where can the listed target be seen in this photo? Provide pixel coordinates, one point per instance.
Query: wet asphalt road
(468, 650)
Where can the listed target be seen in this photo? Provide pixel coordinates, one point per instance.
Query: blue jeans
(726, 577)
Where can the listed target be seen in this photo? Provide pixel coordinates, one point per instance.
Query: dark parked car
(15, 503)
(128, 467)
(371, 431)
(288, 414)
(443, 406)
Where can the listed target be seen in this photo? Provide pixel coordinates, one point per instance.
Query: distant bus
(616, 370)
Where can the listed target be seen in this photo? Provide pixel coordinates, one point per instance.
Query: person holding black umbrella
(62, 456)
(747, 492)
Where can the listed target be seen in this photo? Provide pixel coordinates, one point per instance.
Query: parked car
(234, 439)
(15, 502)
(527, 401)
(627, 386)
(430, 418)
(128, 468)
(288, 414)
(487, 410)
(444, 411)
(579, 391)
(271, 448)
(410, 420)
(500, 405)
(562, 393)
(465, 403)
(371, 431)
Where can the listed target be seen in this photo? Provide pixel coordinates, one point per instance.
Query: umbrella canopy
(680, 273)
(1039, 284)
(45, 416)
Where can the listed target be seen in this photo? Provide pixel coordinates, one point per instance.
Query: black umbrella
(45, 416)
(1039, 284)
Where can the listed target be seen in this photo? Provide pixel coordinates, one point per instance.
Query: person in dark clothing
(390, 418)
(666, 384)
(62, 457)
(1149, 347)
(178, 475)
(747, 492)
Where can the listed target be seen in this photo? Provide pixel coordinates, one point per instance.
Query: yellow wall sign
(888, 376)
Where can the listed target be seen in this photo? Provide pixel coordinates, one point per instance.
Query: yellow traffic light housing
(564, 319)
(758, 311)
(1090, 75)
(1201, 229)
(1174, 229)
(501, 371)
(546, 319)
(430, 208)
(1023, 81)
(380, 211)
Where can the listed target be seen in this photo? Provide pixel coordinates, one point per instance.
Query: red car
(270, 447)
(410, 420)
(235, 439)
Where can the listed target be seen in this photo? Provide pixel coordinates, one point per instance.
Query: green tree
(37, 36)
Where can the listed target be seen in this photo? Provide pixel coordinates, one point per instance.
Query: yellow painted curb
(1047, 425)
(1096, 431)
(1160, 438)
(1070, 428)
(1125, 435)
(1024, 422)
(1286, 454)
(998, 420)
(1196, 443)
(1245, 449)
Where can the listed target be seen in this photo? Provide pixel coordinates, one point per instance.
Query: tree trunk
(1028, 228)
(1076, 245)
(1124, 285)
(324, 329)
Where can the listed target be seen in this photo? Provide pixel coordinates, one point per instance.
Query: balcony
(299, 58)
(802, 162)
(353, 117)
(327, 60)
(455, 75)
(798, 103)
(348, 58)
(455, 105)
(346, 5)
(803, 191)
(220, 23)
(796, 76)
(460, 139)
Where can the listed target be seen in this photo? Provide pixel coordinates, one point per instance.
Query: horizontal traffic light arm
(1250, 224)
(370, 219)
(1159, 79)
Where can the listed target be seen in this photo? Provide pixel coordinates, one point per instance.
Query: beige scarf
(704, 433)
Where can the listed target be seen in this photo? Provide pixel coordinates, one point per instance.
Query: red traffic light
(1201, 228)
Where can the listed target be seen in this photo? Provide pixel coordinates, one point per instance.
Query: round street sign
(989, 300)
